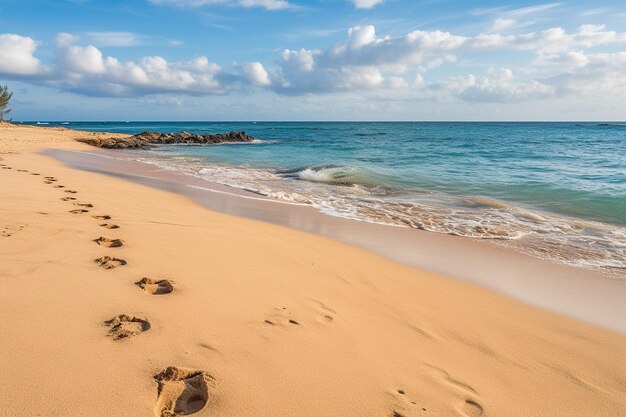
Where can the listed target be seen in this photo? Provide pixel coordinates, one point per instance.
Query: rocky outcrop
(148, 139)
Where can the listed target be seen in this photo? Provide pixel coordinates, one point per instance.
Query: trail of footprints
(408, 407)
(180, 391)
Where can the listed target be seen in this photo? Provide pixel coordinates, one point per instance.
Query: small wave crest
(329, 174)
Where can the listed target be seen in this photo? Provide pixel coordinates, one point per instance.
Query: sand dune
(262, 320)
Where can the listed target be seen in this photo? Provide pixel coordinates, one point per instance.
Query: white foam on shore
(566, 240)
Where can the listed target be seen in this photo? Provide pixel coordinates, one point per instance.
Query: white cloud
(256, 74)
(265, 4)
(501, 24)
(419, 80)
(594, 12)
(114, 38)
(499, 86)
(86, 59)
(16, 56)
(87, 71)
(364, 52)
(567, 60)
(552, 63)
(515, 13)
(529, 10)
(154, 74)
(591, 74)
(366, 4)
(65, 39)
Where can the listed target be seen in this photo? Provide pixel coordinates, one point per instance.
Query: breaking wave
(329, 174)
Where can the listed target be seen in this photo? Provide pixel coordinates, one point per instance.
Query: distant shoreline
(34, 122)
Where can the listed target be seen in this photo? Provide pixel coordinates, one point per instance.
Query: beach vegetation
(5, 97)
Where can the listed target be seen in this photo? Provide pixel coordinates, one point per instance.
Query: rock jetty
(149, 139)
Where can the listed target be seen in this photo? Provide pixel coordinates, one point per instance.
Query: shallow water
(555, 190)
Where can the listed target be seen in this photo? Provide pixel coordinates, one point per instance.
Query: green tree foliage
(5, 96)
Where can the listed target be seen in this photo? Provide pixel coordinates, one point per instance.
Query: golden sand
(197, 312)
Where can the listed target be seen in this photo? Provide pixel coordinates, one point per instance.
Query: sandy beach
(119, 299)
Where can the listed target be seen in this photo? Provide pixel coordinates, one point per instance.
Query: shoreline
(524, 204)
(594, 296)
(263, 320)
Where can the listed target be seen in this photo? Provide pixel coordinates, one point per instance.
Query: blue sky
(313, 60)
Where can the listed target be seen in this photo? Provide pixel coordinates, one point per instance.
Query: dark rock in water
(148, 139)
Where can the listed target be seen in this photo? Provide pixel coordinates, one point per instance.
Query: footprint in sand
(22, 170)
(181, 391)
(48, 182)
(109, 243)
(79, 204)
(326, 314)
(125, 326)
(108, 262)
(281, 317)
(405, 405)
(109, 226)
(52, 179)
(155, 287)
(471, 408)
(35, 173)
(79, 211)
(59, 186)
(9, 230)
(68, 198)
(5, 167)
(71, 191)
(103, 217)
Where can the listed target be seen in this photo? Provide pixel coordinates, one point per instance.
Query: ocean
(552, 190)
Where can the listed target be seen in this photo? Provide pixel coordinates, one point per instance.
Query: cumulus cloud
(87, 60)
(591, 74)
(16, 56)
(64, 39)
(549, 40)
(364, 58)
(86, 70)
(265, 4)
(360, 61)
(366, 4)
(256, 74)
(499, 86)
(559, 63)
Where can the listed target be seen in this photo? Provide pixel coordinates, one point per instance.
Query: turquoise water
(556, 190)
